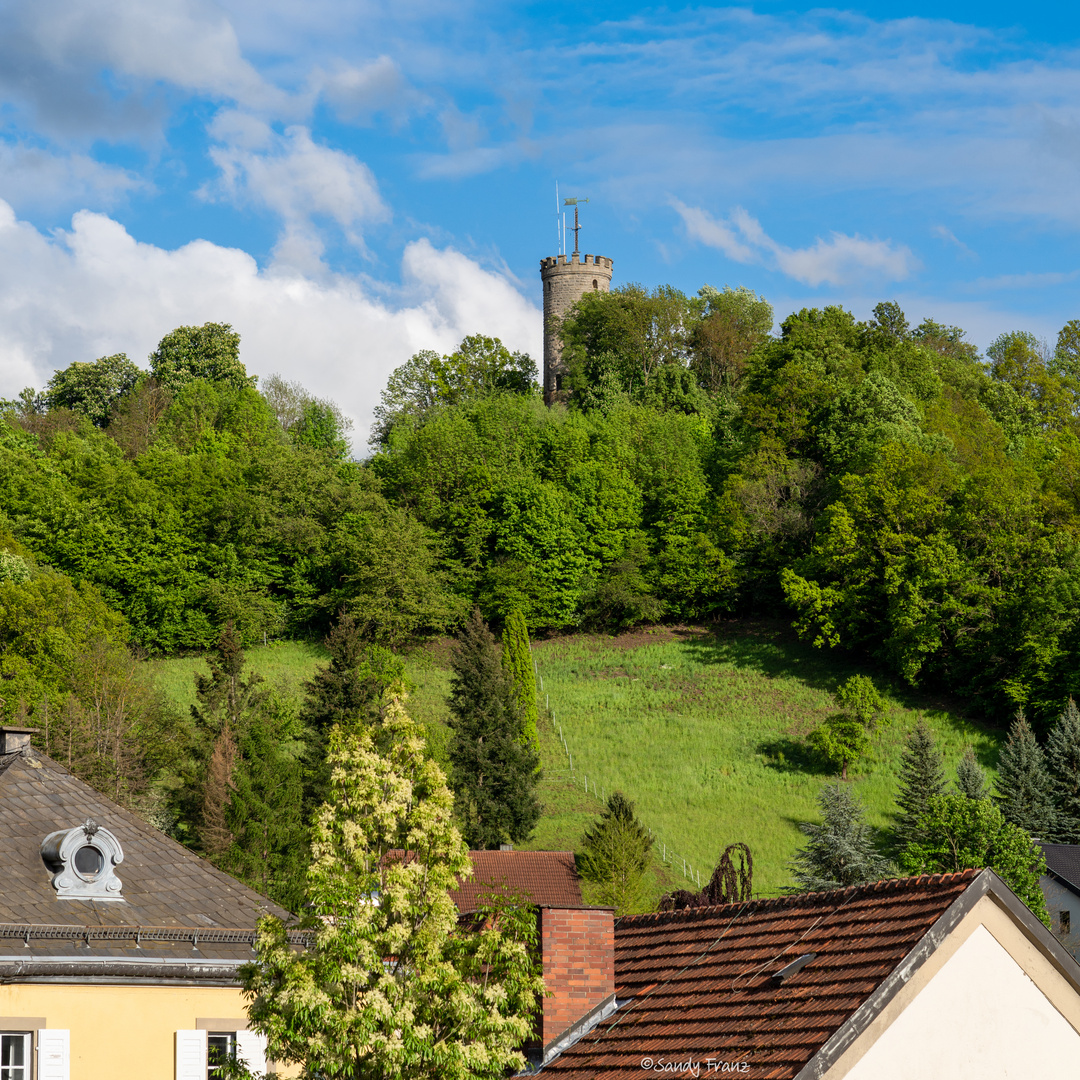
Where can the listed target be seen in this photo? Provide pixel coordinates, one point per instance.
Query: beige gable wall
(987, 1005)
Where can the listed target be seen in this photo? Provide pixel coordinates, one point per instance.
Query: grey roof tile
(164, 885)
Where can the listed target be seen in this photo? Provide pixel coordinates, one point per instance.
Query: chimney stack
(13, 740)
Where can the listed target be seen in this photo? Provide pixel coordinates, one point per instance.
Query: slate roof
(1064, 860)
(168, 891)
(698, 984)
(548, 878)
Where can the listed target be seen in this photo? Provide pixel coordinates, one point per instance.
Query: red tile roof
(548, 878)
(701, 986)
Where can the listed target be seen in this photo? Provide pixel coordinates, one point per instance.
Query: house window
(1064, 922)
(220, 1047)
(15, 1055)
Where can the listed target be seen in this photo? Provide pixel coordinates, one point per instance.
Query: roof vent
(793, 968)
(13, 740)
(506, 847)
(83, 862)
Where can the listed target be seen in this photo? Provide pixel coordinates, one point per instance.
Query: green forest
(909, 506)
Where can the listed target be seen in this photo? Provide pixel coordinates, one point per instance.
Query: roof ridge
(772, 903)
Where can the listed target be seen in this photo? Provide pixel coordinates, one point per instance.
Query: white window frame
(211, 1066)
(28, 1054)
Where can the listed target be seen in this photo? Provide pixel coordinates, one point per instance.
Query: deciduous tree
(958, 833)
(393, 986)
(210, 351)
(844, 737)
(92, 389)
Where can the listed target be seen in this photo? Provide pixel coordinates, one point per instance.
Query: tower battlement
(553, 261)
(566, 278)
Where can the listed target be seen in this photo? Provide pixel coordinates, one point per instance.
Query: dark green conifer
(1023, 785)
(970, 779)
(615, 855)
(1063, 764)
(264, 813)
(921, 777)
(351, 689)
(840, 851)
(354, 685)
(495, 768)
(517, 660)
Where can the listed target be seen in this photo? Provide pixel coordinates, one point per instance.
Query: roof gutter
(112, 970)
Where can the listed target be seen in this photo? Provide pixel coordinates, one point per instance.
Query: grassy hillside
(702, 729)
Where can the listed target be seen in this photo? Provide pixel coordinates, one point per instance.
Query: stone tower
(566, 278)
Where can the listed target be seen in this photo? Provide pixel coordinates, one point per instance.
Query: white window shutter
(191, 1055)
(54, 1054)
(251, 1050)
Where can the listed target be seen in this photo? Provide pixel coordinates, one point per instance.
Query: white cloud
(1026, 281)
(840, 260)
(52, 54)
(946, 234)
(33, 176)
(94, 291)
(358, 93)
(297, 179)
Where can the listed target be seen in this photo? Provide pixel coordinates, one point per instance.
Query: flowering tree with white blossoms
(393, 985)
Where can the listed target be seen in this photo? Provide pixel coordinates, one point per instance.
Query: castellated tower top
(566, 278)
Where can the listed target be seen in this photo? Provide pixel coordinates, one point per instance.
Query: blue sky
(348, 183)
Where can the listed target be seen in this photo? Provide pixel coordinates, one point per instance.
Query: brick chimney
(578, 950)
(13, 740)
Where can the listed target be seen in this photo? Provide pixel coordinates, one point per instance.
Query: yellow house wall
(124, 1032)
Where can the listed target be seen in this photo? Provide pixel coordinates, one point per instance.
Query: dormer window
(83, 862)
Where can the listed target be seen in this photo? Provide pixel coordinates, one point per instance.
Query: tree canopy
(393, 986)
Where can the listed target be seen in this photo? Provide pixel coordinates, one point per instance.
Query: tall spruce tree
(264, 814)
(352, 689)
(495, 768)
(970, 779)
(1023, 784)
(840, 851)
(517, 660)
(1063, 764)
(615, 855)
(921, 777)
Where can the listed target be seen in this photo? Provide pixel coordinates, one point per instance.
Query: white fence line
(668, 854)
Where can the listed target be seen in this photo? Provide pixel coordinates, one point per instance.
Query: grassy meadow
(703, 729)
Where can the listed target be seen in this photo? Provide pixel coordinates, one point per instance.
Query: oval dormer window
(89, 862)
(83, 862)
